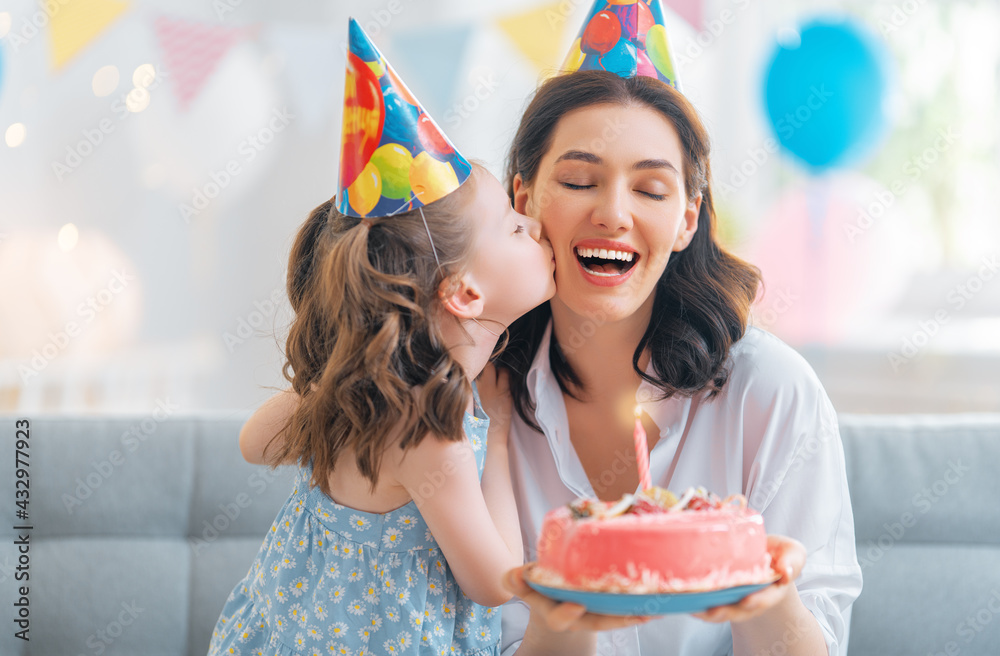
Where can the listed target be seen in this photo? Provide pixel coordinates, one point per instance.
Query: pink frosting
(661, 552)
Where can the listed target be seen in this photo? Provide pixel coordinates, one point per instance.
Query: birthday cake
(653, 542)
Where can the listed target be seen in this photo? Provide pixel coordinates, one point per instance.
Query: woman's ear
(689, 225)
(520, 194)
(462, 297)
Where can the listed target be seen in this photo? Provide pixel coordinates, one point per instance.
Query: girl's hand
(788, 556)
(563, 616)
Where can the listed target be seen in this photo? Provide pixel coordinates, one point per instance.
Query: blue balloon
(400, 120)
(620, 59)
(825, 96)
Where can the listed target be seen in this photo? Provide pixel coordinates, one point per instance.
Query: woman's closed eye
(650, 194)
(519, 229)
(574, 186)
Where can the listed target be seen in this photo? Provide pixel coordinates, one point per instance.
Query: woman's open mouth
(606, 262)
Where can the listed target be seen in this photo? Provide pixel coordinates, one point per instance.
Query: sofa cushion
(927, 528)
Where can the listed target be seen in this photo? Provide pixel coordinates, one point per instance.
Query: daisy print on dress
(297, 614)
(338, 630)
(399, 644)
(299, 586)
(391, 537)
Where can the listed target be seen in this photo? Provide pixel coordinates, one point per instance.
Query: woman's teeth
(604, 261)
(605, 254)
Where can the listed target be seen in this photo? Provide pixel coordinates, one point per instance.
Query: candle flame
(638, 412)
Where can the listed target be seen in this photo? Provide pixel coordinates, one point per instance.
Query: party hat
(626, 37)
(393, 156)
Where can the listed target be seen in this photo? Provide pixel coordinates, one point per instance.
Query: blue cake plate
(617, 603)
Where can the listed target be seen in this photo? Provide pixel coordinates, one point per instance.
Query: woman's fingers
(595, 622)
(788, 557)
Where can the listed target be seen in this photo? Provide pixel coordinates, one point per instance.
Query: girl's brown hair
(364, 352)
(703, 298)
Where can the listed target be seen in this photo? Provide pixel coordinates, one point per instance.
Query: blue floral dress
(333, 580)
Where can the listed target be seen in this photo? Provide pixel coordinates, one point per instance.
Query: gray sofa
(142, 525)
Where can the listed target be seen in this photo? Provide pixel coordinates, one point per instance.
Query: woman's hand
(788, 556)
(563, 616)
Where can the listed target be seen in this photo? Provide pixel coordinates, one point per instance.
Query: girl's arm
(443, 480)
(494, 394)
(264, 424)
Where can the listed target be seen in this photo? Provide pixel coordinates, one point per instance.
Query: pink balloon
(823, 276)
(643, 65)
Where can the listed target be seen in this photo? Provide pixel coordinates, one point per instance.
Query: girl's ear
(520, 195)
(461, 297)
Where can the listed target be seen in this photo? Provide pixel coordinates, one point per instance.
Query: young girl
(388, 544)
(402, 521)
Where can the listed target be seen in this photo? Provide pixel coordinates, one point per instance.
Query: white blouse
(771, 435)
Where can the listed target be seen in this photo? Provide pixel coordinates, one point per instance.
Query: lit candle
(641, 451)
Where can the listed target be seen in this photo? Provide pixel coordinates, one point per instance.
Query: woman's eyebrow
(642, 165)
(580, 155)
(655, 164)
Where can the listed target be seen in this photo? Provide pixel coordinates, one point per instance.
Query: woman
(650, 310)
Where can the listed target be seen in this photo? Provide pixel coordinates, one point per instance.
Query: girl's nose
(534, 229)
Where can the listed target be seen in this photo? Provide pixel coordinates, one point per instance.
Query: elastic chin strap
(441, 270)
(431, 240)
(485, 328)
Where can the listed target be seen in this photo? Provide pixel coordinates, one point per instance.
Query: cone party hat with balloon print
(624, 37)
(393, 156)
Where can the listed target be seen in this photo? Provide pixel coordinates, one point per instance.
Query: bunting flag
(192, 51)
(313, 81)
(692, 11)
(431, 60)
(75, 23)
(538, 35)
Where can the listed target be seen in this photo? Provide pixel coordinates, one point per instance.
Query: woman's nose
(612, 210)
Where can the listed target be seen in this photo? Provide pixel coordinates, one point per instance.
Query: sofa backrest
(143, 525)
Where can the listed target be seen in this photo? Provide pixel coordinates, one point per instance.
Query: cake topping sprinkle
(654, 500)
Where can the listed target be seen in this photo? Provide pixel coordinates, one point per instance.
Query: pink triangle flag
(691, 11)
(192, 51)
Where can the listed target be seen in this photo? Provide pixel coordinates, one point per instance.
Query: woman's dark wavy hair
(364, 352)
(703, 299)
